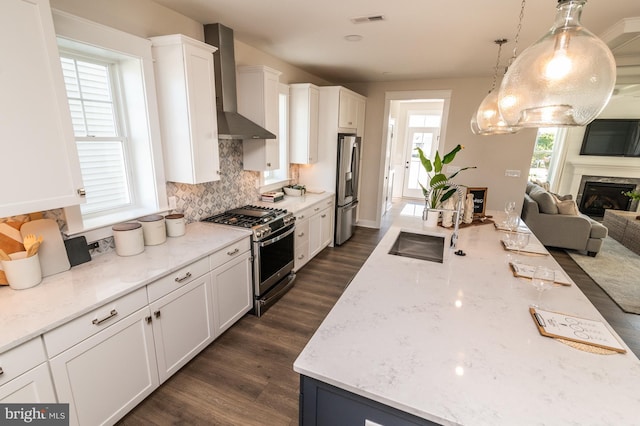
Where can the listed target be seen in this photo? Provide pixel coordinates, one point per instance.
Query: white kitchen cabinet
(24, 374)
(348, 109)
(182, 321)
(258, 93)
(362, 105)
(37, 142)
(187, 105)
(314, 231)
(301, 242)
(304, 106)
(106, 374)
(232, 284)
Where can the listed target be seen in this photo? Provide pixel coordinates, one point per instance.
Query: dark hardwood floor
(246, 377)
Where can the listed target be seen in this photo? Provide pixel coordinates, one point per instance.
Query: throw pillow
(546, 202)
(568, 207)
(562, 197)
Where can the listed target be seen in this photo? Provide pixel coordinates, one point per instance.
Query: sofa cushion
(545, 200)
(567, 207)
(562, 197)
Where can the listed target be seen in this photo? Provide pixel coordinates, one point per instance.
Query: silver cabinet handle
(1, 372)
(148, 319)
(231, 253)
(301, 217)
(156, 314)
(316, 209)
(186, 276)
(301, 234)
(112, 314)
(301, 257)
(268, 164)
(82, 192)
(323, 215)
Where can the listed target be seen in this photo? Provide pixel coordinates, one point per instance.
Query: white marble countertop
(295, 204)
(454, 343)
(25, 314)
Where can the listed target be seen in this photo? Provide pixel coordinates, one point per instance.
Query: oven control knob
(259, 234)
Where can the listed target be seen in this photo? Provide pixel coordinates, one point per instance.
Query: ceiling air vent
(366, 19)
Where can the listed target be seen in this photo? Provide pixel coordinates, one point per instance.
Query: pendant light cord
(517, 37)
(499, 42)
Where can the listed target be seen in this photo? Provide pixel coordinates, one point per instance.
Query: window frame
(283, 135)
(135, 61)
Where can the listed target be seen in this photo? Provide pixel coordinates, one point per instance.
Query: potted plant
(438, 188)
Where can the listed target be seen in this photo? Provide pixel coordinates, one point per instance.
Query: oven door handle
(278, 238)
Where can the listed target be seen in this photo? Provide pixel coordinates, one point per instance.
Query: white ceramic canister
(128, 238)
(153, 229)
(22, 271)
(175, 224)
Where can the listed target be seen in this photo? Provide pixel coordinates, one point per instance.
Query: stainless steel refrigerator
(347, 172)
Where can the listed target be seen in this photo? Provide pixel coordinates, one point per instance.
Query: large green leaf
(448, 194)
(437, 163)
(426, 163)
(464, 168)
(436, 179)
(452, 154)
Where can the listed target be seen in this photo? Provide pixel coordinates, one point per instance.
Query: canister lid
(151, 218)
(127, 226)
(174, 216)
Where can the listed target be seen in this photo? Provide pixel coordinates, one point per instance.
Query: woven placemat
(587, 348)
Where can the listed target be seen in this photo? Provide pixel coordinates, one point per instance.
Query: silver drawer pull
(186, 276)
(1, 372)
(301, 234)
(316, 209)
(301, 256)
(323, 215)
(112, 314)
(231, 253)
(301, 217)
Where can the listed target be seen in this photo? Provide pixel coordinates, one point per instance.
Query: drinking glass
(542, 280)
(513, 221)
(521, 241)
(510, 207)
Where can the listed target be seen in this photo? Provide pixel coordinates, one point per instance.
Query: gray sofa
(571, 231)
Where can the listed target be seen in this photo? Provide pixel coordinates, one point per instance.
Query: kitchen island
(454, 343)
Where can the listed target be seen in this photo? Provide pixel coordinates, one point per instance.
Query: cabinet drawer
(75, 331)
(177, 279)
(304, 214)
(20, 359)
(228, 253)
(301, 254)
(302, 233)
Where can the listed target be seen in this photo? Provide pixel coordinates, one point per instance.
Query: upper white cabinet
(258, 101)
(362, 104)
(348, 110)
(187, 105)
(304, 102)
(38, 145)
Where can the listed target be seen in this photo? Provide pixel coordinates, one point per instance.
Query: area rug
(616, 269)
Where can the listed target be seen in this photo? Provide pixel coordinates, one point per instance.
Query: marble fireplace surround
(584, 171)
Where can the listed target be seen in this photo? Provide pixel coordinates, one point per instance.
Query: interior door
(425, 138)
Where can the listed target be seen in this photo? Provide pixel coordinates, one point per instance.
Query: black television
(612, 138)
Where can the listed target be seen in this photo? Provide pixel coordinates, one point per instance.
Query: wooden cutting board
(52, 252)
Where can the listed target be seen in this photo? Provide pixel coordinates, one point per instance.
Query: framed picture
(479, 200)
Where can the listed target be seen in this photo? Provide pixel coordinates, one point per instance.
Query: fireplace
(599, 196)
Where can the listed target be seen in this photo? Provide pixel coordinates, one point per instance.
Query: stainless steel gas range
(272, 247)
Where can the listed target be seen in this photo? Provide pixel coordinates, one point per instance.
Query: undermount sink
(419, 246)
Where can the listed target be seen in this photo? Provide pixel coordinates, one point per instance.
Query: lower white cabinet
(24, 375)
(182, 325)
(314, 231)
(232, 287)
(320, 230)
(109, 373)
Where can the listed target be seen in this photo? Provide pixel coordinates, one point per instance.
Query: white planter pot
(432, 218)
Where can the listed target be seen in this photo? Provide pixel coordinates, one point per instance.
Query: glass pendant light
(564, 79)
(487, 120)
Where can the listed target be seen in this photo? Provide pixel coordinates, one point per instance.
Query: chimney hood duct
(231, 125)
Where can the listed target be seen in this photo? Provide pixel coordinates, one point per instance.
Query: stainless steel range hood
(231, 125)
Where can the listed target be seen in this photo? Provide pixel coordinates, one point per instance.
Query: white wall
(491, 154)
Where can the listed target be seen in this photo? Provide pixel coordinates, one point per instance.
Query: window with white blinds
(100, 141)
